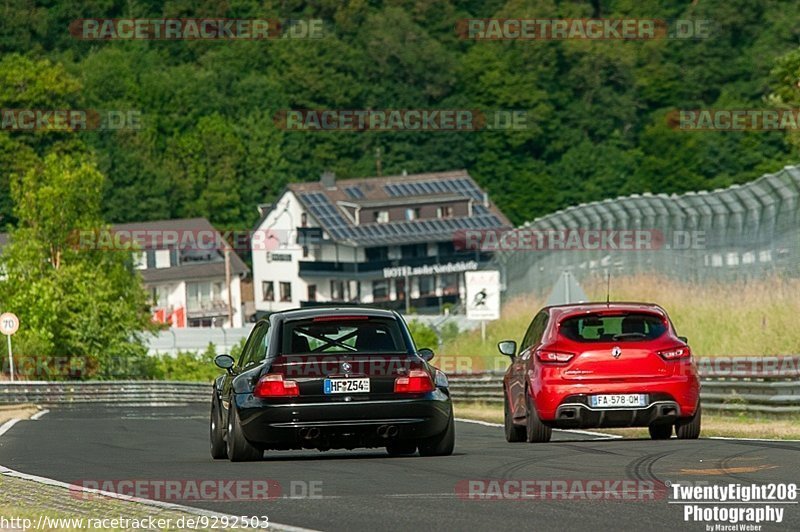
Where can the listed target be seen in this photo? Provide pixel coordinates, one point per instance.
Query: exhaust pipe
(309, 433)
(387, 431)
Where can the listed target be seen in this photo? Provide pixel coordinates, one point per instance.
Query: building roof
(322, 202)
(196, 270)
(187, 230)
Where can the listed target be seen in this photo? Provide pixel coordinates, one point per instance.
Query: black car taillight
(417, 381)
(273, 385)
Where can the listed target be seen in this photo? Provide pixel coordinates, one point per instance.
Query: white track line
(38, 415)
(147, 502)
(7, 425)
(745, 439)
(574, 431)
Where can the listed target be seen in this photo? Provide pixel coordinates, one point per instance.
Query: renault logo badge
(616, 352)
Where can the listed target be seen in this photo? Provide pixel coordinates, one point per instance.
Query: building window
(303, 220)
(305, 251)
(140, 260)
(449, 283)
(286, 291)
(412, 213)
(380, 290)
(268, 290)
(312, 292)
(337, 290)
(412, 251)
(446, 248)
(381, 217)
(376, 253)
(427, 285)
(444, 212)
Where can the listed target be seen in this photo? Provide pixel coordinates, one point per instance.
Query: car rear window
(346, 335)
(616, 327)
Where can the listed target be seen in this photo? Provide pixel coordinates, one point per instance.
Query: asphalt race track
(367, 490)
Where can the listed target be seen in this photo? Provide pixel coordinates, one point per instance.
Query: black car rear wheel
(219, 448)
(239, 449)
(401, 448)
(689, 429)
(514, 433)
(441, 444)
(660, 431)
(536, 431)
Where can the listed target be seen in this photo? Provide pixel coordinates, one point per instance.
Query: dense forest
(209, 146)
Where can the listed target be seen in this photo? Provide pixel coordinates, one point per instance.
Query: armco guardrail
(130, 393)
(759, 384)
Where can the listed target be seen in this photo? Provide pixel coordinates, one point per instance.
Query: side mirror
(425, 354)
(508, 348)
(224, 361)
(683, 339)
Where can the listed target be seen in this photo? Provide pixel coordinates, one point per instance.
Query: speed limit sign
(9, 323)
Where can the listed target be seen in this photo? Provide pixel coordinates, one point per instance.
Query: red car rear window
(616, 327)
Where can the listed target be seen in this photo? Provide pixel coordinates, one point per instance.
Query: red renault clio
(600, 365)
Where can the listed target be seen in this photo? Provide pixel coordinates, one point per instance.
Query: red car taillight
(417, 381)
(273, 385)
(676, 353)
(553, 357)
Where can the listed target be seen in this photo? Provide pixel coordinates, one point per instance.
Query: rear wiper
(629, 335)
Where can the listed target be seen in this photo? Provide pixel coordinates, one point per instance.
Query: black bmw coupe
(330, 378)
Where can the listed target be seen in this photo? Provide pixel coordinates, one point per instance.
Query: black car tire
(536, 431)
(689, 429)
(401, 448)
(514, 433)
(219, 448)
(239, 449)
(441, 444)
(660, 431)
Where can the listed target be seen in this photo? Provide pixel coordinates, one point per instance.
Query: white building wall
(280, 226)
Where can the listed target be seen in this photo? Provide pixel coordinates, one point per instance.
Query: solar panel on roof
(354, 192)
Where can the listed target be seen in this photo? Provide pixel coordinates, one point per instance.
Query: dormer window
(412, 214)
(381, 217)
(444, 212)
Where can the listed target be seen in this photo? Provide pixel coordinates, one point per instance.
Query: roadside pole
(9, 324)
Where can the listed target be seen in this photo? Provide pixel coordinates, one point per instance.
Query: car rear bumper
(580, 415)
(342, 424)
(568, 405)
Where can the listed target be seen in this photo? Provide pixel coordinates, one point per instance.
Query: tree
(73, 303)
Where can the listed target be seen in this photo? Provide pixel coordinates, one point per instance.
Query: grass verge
(60, 509)
(16, 411)
(745, 318)
(730, 425)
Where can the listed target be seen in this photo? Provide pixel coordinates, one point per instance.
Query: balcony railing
(211, 307)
